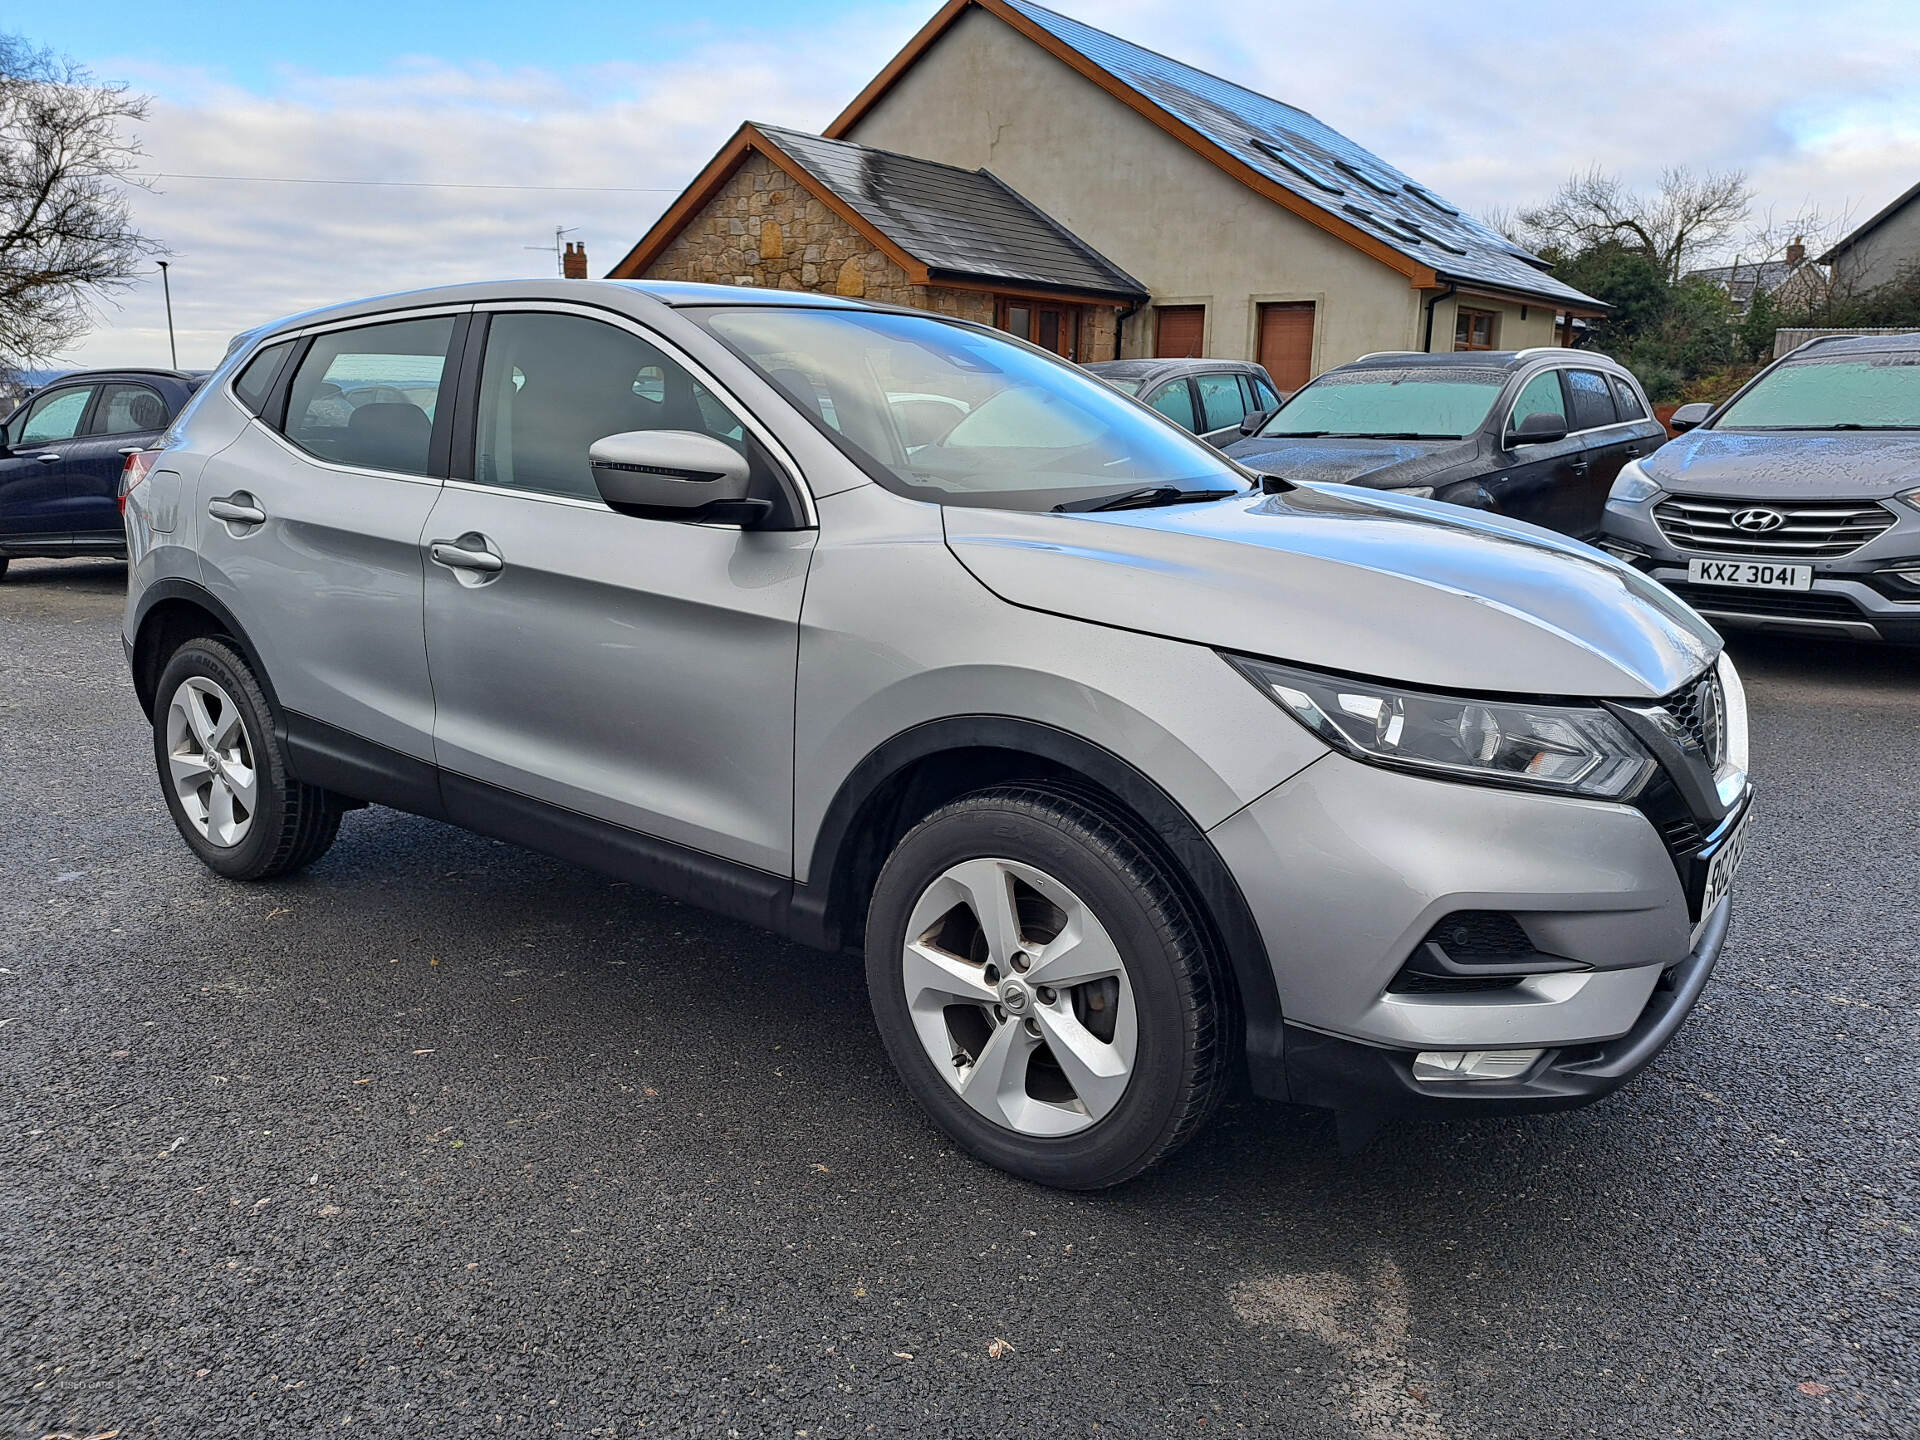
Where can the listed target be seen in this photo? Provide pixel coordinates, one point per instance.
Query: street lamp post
(167, 290)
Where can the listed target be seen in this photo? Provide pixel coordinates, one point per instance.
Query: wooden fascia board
(1027, 290)
(1419, 276)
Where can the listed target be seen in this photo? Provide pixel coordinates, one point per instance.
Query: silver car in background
(1126, 769)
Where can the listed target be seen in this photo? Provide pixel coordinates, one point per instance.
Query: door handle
(130, 449)
(456, 556)
(237, 509)
(1580, 467)
(51, 457)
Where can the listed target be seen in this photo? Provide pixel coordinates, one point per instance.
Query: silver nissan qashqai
(1128, 769)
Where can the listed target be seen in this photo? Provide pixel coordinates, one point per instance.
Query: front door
(636, 671)
(312, 538)
(1544, 483)
(37, 502)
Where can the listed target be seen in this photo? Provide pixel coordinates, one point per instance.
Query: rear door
(636, 671)
(128, 416)
(311, 521)
(1174, 399)
(1604, 443)
(37, 499)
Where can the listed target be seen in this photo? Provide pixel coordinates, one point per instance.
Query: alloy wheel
(1020, 997)
(210, 762)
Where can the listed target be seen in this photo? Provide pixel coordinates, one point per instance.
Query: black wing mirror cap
(1687, 417)
(674, 474)
(1540, 428)
(1250, 423)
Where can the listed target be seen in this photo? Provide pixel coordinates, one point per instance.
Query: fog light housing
(1905, 576)
(1620, 550)
(1473, 1064)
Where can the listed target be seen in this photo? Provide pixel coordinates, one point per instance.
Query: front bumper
(1853, 598)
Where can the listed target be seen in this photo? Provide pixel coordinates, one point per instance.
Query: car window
(1221, 401)
(1627, 400)
(1855, 392)
(1448, 402)
(367, 396)
(1591, 400)
(1037, 432)
(551, 385)
(1175, 401)
(129, 410)
(1539, 396)
(1125, 384)
(55, 415)
(1265, 394)
(253, 383)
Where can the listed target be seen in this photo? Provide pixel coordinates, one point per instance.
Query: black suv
(61, 455)
(1535, 434)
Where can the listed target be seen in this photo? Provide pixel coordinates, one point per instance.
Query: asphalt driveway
(443, 1137)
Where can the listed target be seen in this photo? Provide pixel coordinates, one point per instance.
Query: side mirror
(1689, 416)
(1251, 422)
(674, 475)
(1540, 428)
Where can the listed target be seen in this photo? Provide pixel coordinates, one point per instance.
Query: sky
(489, 125)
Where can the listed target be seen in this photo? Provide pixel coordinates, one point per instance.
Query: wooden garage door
(1179, 331)
(1286, 344)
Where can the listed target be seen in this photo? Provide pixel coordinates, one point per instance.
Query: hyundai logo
(1757, 521)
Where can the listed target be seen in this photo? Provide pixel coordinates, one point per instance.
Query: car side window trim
(465, 411)
(34, 405)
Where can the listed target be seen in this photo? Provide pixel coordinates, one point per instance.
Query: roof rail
(1377, 354)
(1563, 350)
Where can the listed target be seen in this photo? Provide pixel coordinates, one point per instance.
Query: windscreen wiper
(1144, 498)
(1293, 434)
(1401, 435)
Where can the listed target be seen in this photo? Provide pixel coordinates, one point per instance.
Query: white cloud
(1492, 104)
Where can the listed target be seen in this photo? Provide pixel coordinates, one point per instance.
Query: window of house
(1051, 327)
(1627, 400)
(55, 415)
(1540, 396)
(1221, 401)
(367, 396)
(1175, 401)
(551, 385)
(128, 410)
(1591, 400)
(1474, 329)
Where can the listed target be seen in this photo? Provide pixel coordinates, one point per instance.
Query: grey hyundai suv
(1127, 769)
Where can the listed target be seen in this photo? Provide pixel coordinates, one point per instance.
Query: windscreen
(1850, 392)
(1423, 402)
(959, 416)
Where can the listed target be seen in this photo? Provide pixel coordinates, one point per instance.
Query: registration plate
(1756, 574)
(1721, 865)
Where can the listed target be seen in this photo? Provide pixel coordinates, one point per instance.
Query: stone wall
(763, 229)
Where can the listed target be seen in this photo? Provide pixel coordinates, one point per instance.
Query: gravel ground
(446, 1138)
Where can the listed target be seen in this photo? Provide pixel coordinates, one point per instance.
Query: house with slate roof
(1023, 169)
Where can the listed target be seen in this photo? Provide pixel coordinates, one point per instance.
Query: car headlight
(1568, 749)
(1912, 497)
(1631, 486)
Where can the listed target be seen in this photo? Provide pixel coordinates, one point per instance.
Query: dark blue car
(62, 451)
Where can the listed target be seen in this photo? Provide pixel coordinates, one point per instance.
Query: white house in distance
(1025, 169)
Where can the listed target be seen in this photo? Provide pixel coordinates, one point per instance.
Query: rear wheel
(222, 772)
(1044, 988)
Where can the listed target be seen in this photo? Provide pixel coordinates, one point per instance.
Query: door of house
(1051, 327)
(1179, 331)
(1286, 344)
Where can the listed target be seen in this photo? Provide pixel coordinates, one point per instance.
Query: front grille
(1808, 529)
(1789, 604)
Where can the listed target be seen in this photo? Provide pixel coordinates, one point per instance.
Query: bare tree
(1685, 220)
(66, 220)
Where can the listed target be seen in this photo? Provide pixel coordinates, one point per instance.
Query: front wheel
(222, 772)
(1045, 989)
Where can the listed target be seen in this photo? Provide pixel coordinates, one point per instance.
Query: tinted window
(551, 385)
(1037, 431)
(1866, 392)
(253, 383)
(1221, 400)
(1592, 401)
(1265, 394)
(1540, 396)
(1626, 400)
(1427, 401)
(55, 415)
(129, 410)
(367, 396)
(1175, 401)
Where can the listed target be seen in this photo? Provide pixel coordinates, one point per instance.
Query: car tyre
(1081, 1083)
(224, 774)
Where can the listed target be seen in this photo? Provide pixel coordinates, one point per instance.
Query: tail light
(133, 474)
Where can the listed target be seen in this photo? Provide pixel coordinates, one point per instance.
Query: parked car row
(1126, 769)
